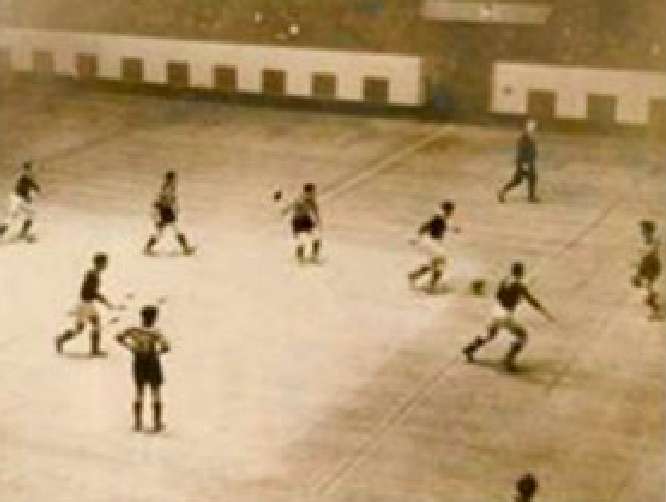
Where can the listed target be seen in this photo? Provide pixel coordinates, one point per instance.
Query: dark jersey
(90, 287)
(24, 186)
(526, 150)
(511, 292)
(167, 197)
(436, 227)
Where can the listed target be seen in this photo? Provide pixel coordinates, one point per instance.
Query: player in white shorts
(510, 293)
(431, 241)
(21, 208)
(86, 311)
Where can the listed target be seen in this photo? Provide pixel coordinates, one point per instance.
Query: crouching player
(146, 344)
(510, 293)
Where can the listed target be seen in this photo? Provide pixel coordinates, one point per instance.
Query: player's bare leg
(478, 342)
(516, 347)
(415, 274)
(137, 408)
(95, 337)
(25, 229)
(437, 267)
(158, 425)
(68, 335)
(182, 240)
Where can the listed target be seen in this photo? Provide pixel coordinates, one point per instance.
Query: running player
(511, 292)
(431, 239)
(86, 311)
(21, 208)
(305, 222)
(649, 268)
(146, 344)
(165, 214)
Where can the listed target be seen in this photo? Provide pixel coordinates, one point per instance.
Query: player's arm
(122, 337)
(424, 228)
(536, 304)
(35, 186)
(164, 345)
(287, 209)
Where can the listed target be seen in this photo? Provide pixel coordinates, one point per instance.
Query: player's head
(170, 176)
(100, 261)
(448, 207)
(149, 315)
(27, 165)
(527, 486)
(309, 190)
(648, 227)
(517, 269)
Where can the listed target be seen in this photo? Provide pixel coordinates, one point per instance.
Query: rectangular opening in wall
(178, 75)
(132, 70)
(86, 66)
(376, 90)
(42, 63)
(225, 79)
(274, 82)
(324, 85)
(601, 111)
(541, 105)
(658, 117)
(5, 63)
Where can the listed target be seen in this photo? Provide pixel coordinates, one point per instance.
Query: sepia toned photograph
(332, 250)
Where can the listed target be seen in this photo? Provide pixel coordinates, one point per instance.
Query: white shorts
(504, 319)
(306, 238)
(433, 248)
(84, 311)
(20, 208)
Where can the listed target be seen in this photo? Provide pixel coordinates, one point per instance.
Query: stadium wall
(625, 97)
(387, 79)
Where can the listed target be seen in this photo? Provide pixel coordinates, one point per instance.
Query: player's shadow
(82, 356)
(536, 371)
(438, 290)
(170, 253)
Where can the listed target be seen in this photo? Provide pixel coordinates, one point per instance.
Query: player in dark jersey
(431, 240)
(526, 155)
(146, 344)
(21, 206)
(165, 213)
(305, 222)
(86, 311)
(526, 487)
(649, 268)
(510, 293)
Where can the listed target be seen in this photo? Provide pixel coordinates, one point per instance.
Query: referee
(526, 155)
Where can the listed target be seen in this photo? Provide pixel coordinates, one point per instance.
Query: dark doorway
(274, 82)
(86, 66)
(376, 90)
(541, 105)
(601, 111)
(178, 75)
(132, 69)
(225, 79)
(324, 85)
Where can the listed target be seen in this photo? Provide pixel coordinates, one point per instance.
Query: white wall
(403, 71)
(572, 85)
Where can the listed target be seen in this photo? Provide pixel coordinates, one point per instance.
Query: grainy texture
(332, 382)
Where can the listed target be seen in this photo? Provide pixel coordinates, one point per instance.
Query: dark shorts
(167, 215)
(650, 267)
(302, 224)
(147, 370)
